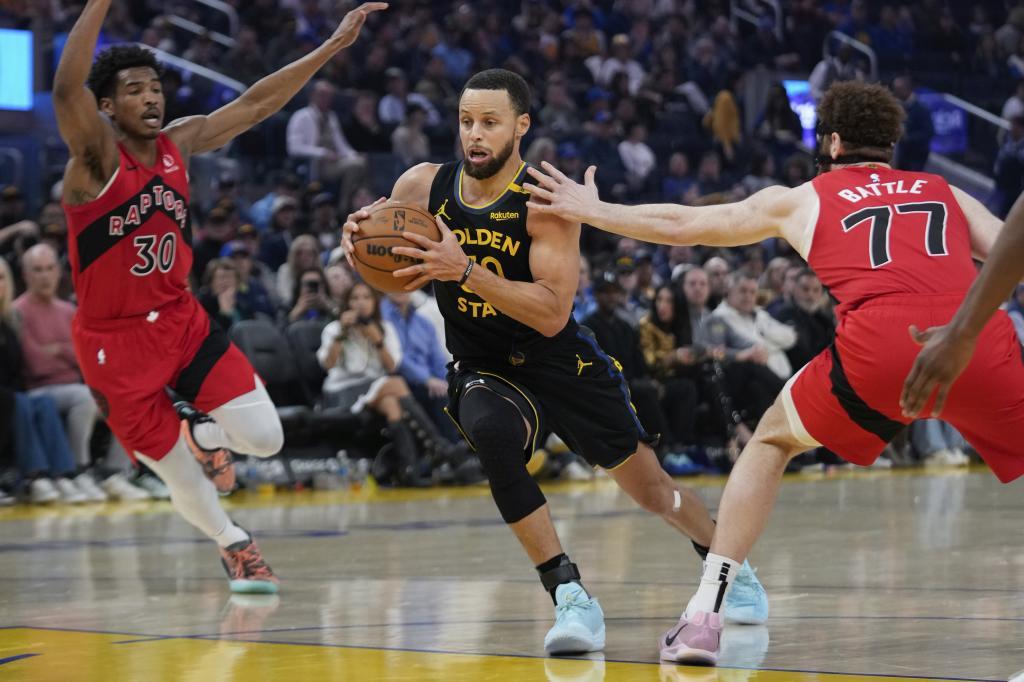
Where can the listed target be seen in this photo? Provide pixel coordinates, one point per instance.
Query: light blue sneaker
(579, 622)
(747, 602)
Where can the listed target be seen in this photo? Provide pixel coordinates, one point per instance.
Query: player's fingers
(536, 191)
(907, 394)
(411, 271)
(914, 398)
(940, 398)
(588, 176)
(542, 180)
(553, 172)
(920, 392)
(418, 240)
(368, 7)
(921, 337)
(539, 208)
(442, 226)
(418, 254)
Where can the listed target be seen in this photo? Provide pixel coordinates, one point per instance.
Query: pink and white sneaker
(694, 640)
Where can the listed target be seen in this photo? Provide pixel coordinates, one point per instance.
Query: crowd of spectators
(656, 93)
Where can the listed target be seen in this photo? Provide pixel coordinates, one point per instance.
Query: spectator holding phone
(311, 301)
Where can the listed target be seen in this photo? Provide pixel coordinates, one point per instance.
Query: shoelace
(571, 604)
(747, 581)
(248, 562)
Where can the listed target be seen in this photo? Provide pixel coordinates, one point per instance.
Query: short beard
(490, 168)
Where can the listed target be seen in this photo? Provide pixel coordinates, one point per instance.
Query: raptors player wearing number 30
(895, 249)
(138, 329)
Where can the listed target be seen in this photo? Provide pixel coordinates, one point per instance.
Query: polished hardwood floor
(872, 575)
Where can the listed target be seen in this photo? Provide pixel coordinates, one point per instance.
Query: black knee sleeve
(496, 428)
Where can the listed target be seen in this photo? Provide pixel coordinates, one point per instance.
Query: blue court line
(519, 621)
(479, 653)
(12, 659)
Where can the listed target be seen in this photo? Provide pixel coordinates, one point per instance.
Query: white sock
(193, 495)
(719, 572)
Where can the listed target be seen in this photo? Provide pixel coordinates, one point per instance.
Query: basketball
(381, 232)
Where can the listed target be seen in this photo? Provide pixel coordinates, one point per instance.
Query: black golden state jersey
(495, 236)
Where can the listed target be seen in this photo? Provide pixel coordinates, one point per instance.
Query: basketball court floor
(872, 576)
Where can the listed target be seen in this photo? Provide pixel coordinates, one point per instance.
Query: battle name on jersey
(158, 197)
(877, 189)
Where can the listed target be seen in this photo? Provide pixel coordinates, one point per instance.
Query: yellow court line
(371, 493)
(62, 655)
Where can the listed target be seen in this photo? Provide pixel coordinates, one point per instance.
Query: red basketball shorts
(129, 363)
(847, 398)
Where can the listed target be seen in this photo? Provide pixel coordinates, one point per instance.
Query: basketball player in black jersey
(504, 281)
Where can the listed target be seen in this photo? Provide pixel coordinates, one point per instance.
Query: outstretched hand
(558, 194)
(348, 29)
(444, 261)
(944, 356)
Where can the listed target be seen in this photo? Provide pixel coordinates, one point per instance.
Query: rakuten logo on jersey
(159, 198)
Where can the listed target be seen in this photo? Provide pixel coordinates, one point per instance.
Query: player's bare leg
(643, 479)
(743, 513)
(536, 533)
(646, 482)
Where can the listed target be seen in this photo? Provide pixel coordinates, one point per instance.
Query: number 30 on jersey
(155, 253)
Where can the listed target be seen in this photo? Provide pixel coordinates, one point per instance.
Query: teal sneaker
(747, 602)
(579, 622)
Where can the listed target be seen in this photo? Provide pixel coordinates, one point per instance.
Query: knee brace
(496, 428)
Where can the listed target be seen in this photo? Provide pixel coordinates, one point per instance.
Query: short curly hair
(867, 116)
(103, 74)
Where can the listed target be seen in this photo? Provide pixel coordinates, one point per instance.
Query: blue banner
(950, 123)
(16, 74)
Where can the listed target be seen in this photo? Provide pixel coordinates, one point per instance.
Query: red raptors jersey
(130, 248)
(881, 231)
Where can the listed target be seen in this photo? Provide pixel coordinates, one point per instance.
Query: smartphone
(311, 286)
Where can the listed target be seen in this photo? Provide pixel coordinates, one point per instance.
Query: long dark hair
(679, 327)
(375, 315)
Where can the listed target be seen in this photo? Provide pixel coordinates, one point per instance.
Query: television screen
(16, 74)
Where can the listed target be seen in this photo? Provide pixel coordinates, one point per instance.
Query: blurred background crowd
(672, 100)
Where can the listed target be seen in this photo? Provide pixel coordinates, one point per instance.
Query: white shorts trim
(796, 424)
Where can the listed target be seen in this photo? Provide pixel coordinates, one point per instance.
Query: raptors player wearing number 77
(138, 330)
(895, 248)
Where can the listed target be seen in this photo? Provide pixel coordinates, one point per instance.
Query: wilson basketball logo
(385, 252)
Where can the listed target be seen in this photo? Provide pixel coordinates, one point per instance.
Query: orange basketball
(381, 232)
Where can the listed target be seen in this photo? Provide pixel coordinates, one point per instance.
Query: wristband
(469, 269)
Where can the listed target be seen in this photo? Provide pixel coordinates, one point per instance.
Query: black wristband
(469, 269)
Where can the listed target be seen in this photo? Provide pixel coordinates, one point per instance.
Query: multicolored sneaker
(579, 622)
(217, 464)
(695, 640)
(247, 572)
(747, 602)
